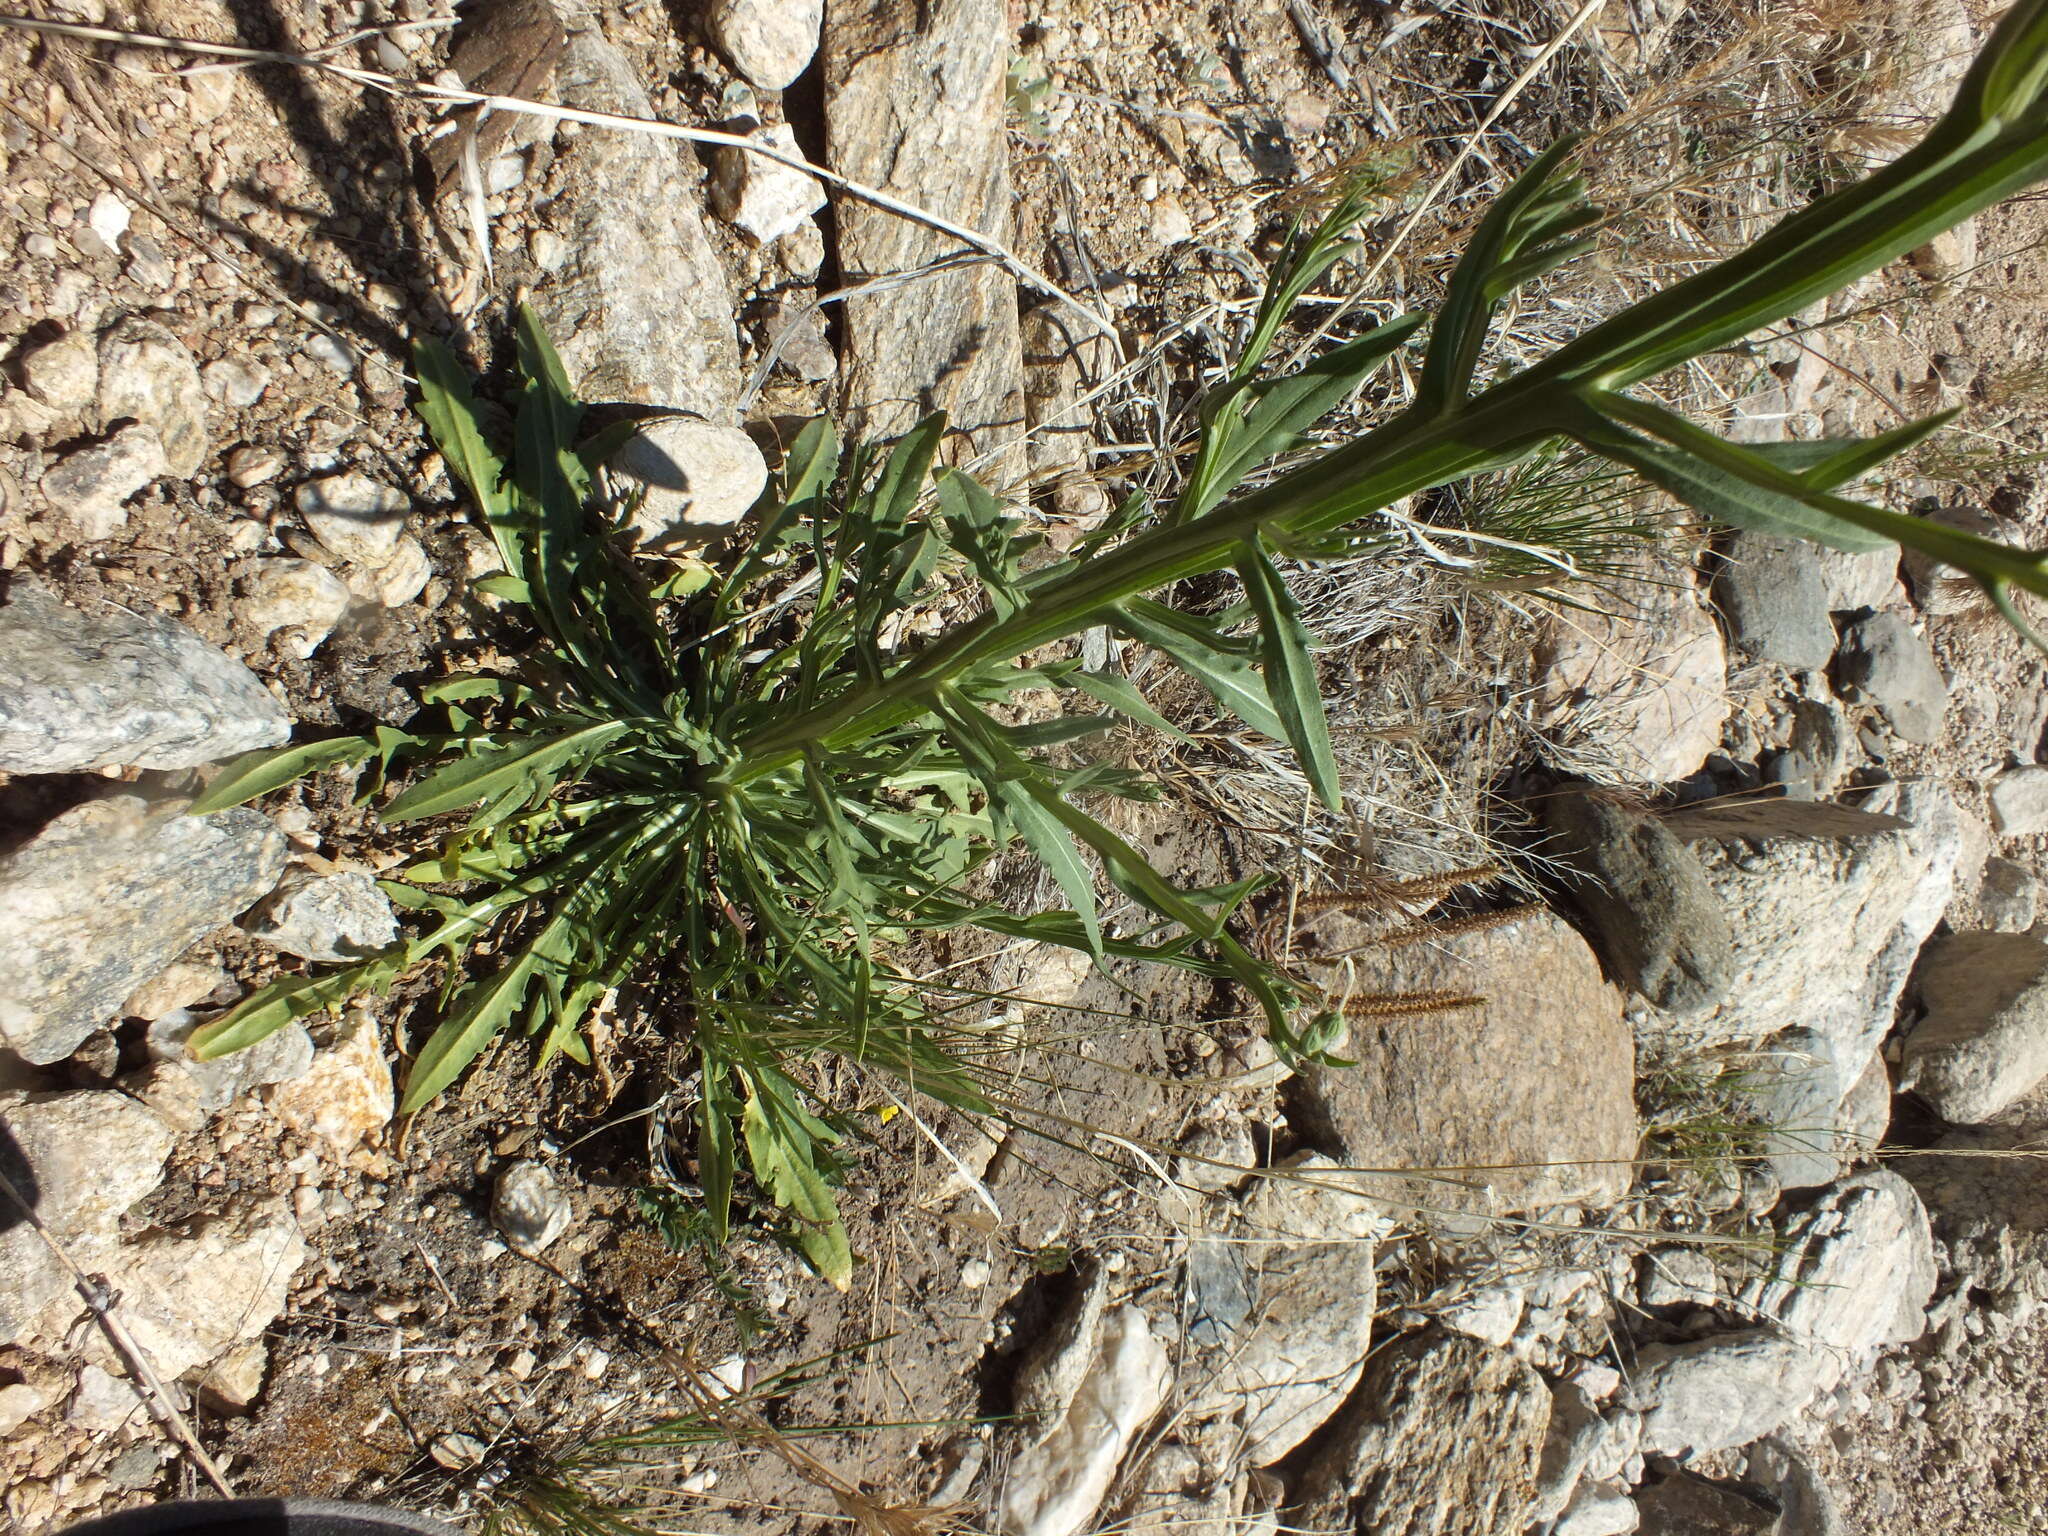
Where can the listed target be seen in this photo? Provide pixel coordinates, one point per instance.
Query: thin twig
(428, 90)
(149, 1387)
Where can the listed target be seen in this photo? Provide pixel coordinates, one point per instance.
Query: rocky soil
(1718, 1209)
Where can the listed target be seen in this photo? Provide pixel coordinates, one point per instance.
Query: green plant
(741, 785)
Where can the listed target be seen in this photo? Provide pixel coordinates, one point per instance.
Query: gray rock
(797, 333)
(1444, 1435)
(235, 381)
(1058, 1477)
(331, 918)
(105, 897)
(1685, 1505)
(1834, 902)
(187, 1297)
(1581, 1442)
(1310, 1261)
(2009, 896)
(1983, 1044)
(2019, 801)
(1886, 662)
(1820, 735)
(1677, 1277)
(84, 1158)
(1597, 1509)
(696, 480)
(771, 42)
(918, 109)
(1855, 1273)
(62, 375)
(147, 373)
(277, 1058)
(529, 1206)
(761, 197)
(89, 485)
(109, 688)
(1866, 1114)
(1774, 597)
(1644, 685)
(354, 517)
(252, 464)
(1657, 922)
(1532, 1090)
(639, 307)
(1717, 1393)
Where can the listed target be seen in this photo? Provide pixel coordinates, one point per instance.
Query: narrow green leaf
(1291, 680)
(506, 588)
(486, 775)
(1715, 491)
(487, 1007)
(1247, 423)
(716, 1159)
(1122, 696)
(449, 407)
(259, 772)
(269, 1008)
(1009, 780)
(1210, 659)
(1828, 463)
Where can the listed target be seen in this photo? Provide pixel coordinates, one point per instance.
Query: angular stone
(298, 596)
(764, 198)
(329, 918)
(1773, 595)
(82, 1159)
(106, 896)
(528, 1205)
(346, 1096)
(278, 1057)
(1855, 1273)
(1886, 662)
(771, 42)
(1983, 1044)
(354, 517)
(1657, 922)
(63, 375)
(1644, 684)
(84, 689)
(2019, 801)
(1820, 890)
(90, 485)
(1685, 1505)
(148, 374)
(696, 480)
(188, 1297)
(1720, 1392)
(2009, 896)
(1443, 1435)
(1309, 1272)
(1529, 1094)
(1057, 1481)
(914, 106)
(639, 307)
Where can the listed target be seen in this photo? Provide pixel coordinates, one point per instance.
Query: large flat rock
(1443, 1436)
(106, 896)
(914, 108)
(103, 688)
(640, 308)
(1524, 1100)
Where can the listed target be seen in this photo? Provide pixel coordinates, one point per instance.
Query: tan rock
(1522, 1100)
(347, 1097)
